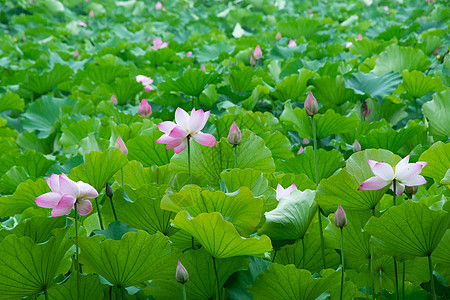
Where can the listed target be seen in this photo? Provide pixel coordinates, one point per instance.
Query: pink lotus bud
(428, 1)
(305, 141)
(411, 190)
(278, 36)
(356, 146)
(386, 8)
(252, 60)
(310, 12)
(24, 39)
(202, 67)
(311, 105)
(91, 13)
(164, 9)
(148, 39)
(181, 275)
(234, 136)
(300, 151)
(121, 145)
(348, 45)
(189, 54)
(114, 100)
(292, 43)
(158, 5)
(360, 37)
(340, 219)
(257, 53)
(189, 66)
(82, 24)
(109, 191)
(365, 108)
(145, 110)
(76, 54)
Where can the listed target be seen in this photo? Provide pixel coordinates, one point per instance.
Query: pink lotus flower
(348, 45)
(292, 43)
(386, 8)
(234, 135)
(278, 36)
(281, 192)
(305, 141)
(257, 53)
(300, 150)
(356, 146)
(176, 135)
(91, 13)
(158, 5)
(181, 274)
(121, 145)
(404, 173)
(189, 54)
(360, 37)
(145, 110)
(114, 100)
(158, 44)
(202, 67)
(82, 24)
(76, 54)
(311, 105)
(146, 82)
(340, 219)
(65, 193)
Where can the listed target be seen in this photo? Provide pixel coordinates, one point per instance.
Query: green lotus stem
(113, 209)
(184, 292)
(342, 262)
(403, 280)
(77, 264)
(371, 264)
(189, 158)
(316, 168)
(430, 266)
(380, 275)
(417, 109)
(192, 243)
(367, 284)
(45, 294)
(396, 278)
(99, 213)
(217, 278)
(274, 254)
(303, 250)
(121, 177)
(235, 157)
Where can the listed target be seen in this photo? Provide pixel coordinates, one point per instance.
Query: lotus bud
(311, 105)
(91, 13)
(411, 190)
(148, 39)
(181, 275)
(234, 136)
(360, 37)
(114, 100)
(121, 145)
(278, 36)
(356, 146)
(292, 43)
(109, 191)
(202, 67)
(76, 54)
(189, 54)
(340, 219)
(252, 60)
(158, 5)
(300, 151)
(386, 8)
(145, 110)
(305, 141)
(257, 53)
(365, 108)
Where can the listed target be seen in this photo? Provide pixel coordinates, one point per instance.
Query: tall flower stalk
(340, 220)
(235, 139)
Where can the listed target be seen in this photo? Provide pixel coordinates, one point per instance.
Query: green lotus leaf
(90, 288)
(396, 59)
(438, 158)
(41, 83)
(366, 47)
(39, 229)
(327, 163)
(292, 217)
(327, 124)
(409, 229)
(241, 79)
(300, 27)
(441, 256)
(331, 92)
(202, 281)
(372, 85)
(23, 197)
(310, 256)
(288, 282)
(192, 82)
(219, 237)
(258, 93)
(104, 73)
(34, 164)
(11, 179)
(126, 89)
(293, 87)
(446, 179)
(135, 175)
(136, 258)
(437, 113)
(29, 140)
(144, 149)
(362, 128)
(301, 181)
(99, 167)
(278, 143)
(74, 133)
(31, 267)
(415, 84)
(11, 101)
(342, 188)
(42, 114)
(209, 53)
(207, 163)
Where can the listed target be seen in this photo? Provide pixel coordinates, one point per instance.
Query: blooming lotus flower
(386, 8)
(348, 45)
(82, 24)
(360, 37)
(292, 43)
(158, 5)
(121, 145)
(146, 82)
(340, 219)
(281, 192)
(311, 105)
(257, 53)
(114, 100)
(404, 173)
(65, 193)
(278, 36)
(356, 146)
(189, 54)
(181, 275)
(91, 13)
(234, 136)
(158, 44)
(176, 135)
(145, 110)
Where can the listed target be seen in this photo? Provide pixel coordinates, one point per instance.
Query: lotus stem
(217, 277)
(192, 243)
(77, 264)
(396, 278)
(367, 283)
(303, 250)
(316, 168)
(189, 158)
(342, 262)
(380, 275)
(113, 209)
(417, 109)
(274, 254)
(371, 264)
(235, 157)
(121, 177)
(430, 266)
(403, 280)
(184, 292)
(99, 213)
(45, 294)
